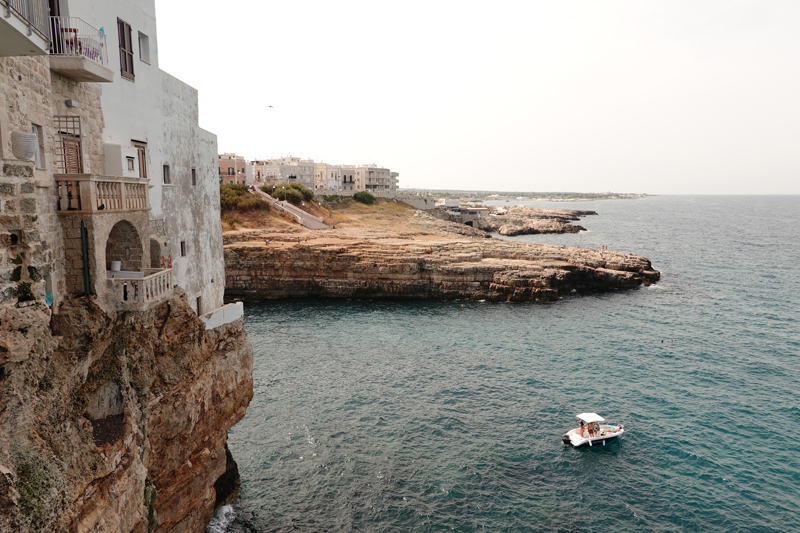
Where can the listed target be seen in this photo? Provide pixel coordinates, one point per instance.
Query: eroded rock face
(117, 423)
(532, 221)
(476, 269)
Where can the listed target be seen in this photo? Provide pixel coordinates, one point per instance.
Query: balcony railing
(71, 36)
(87, 193)
(140, 293)
(34, 12)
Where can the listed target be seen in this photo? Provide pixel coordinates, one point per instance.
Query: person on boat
(592, 429)
(582, 431)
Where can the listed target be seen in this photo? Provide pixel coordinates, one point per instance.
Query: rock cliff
(116, 422)
(395, 267)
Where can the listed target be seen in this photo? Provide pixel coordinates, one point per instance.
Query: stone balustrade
(89, 193)
(130, 293)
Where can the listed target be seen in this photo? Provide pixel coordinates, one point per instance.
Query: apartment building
(235, 170)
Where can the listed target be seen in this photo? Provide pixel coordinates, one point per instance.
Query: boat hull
(575, 440)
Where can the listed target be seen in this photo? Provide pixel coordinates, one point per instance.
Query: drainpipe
(85, 249)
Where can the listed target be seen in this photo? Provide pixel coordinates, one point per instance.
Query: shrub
(236, 198)
(294, 193)
(364, 197)
(307, 193)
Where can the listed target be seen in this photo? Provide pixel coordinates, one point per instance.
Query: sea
(438, 416)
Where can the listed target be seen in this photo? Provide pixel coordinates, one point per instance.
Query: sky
(639, 96)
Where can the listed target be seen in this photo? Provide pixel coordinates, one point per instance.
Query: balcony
(78, 50)
(138, 291)
(23, 28)
(90, 194)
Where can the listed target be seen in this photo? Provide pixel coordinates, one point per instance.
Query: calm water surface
(392, 416)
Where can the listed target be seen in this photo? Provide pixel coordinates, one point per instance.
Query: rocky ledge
(531, 221)
(397, 267)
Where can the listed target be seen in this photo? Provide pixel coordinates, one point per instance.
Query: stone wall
(24, 257)
(191, 208)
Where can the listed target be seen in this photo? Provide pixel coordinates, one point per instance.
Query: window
(166, 175)
(69, 159)
(183, 248)
(38, 159)
(144, 47)
(125, 49)
(141, 152)
(131, 164)
(230, 171)
(194, 176)
(198, 305)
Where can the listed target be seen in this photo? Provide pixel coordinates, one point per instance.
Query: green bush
(364, 197)
(307, 193)
(294, 193)
(236, 198)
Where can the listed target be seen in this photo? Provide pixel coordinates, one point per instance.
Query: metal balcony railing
(34, 12)
(71, 36)
(87, 193)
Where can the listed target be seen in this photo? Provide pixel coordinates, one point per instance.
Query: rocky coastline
(532, 221)
(391, 266)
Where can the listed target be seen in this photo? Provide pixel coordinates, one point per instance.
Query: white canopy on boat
(591, 417)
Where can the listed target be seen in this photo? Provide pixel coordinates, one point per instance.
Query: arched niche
(124, 245)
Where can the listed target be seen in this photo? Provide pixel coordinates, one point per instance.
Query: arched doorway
(155, 254)
(124, 245)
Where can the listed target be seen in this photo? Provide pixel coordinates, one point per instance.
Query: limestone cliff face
(119, 422)
(477, 269)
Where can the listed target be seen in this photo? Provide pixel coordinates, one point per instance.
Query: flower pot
(24, 145)
(116, 266)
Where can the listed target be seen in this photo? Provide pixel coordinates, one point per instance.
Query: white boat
(593, 432)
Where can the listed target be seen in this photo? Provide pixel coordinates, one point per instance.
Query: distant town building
(235, 170)
(318, 176)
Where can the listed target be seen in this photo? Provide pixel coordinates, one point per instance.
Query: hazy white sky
(662, 97)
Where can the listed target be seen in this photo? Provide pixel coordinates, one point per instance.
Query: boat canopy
(591, 417)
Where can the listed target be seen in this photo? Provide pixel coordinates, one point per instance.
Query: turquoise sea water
(392, 416)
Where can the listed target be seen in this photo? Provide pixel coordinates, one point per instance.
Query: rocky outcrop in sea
(531, 221)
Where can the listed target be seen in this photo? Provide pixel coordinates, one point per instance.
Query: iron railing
(71, 36)
(34, 12)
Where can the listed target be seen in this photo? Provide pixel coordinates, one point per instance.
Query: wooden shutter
(73, 164)
(125, 49)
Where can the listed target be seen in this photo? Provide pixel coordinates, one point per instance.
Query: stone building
(120, 199)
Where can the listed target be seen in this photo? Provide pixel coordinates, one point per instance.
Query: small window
(183, 248)
(131, 164)
(144, 47)
(230, 171)
(199, 312)
(194, 176)
(125, 49)
(167, 181)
